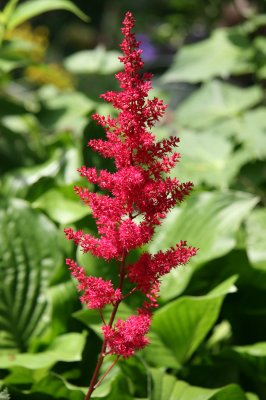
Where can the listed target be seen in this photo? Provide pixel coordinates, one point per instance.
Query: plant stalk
(93, 383)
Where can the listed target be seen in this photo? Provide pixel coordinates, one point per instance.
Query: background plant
(209, 333)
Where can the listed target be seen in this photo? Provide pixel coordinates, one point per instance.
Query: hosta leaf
(253, 356)
(31, 8)
(64, 111)
(206, 159)
(97, 61)
(184, 323)
(59, 208)
(57, 387)
(159, 355)
(207, 220)
(215, 101)
(67, 348)
(30, 255)
(63, 300)
(256, 240)
(168, 387)
(19, 181)
(217, 56)
(253, 133)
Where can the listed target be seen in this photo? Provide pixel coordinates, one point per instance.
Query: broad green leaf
(98, 61)
(57, 387)
(8, 10)
(253, 356)
(59, 208)
(184, 323)
(19, 181)
(158, 354)
(217, 56)
(30, 249)
(66, 348)
(64, 111)
(253, 133)
(208, 221)
(252, 396)
(63, 301)
(206, 158)
(256, 238)
(215, 101)
(167, 387)
(31, 8)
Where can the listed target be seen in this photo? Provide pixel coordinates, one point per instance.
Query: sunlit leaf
(97, 61)
(184, 323)
(64, 111)
(256, 238)
(168, 387)
(208, 221)
(66, 348)
(216, 101)
(207, 159)
(253, 133)
(59, 208)
(31, 8)
(57, 387)
(218, 55)
(253, 357)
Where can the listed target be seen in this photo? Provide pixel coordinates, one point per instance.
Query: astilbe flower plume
(131, 202)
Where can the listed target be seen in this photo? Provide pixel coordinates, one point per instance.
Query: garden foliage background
(208, 338)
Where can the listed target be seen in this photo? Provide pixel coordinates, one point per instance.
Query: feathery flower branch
(140, 187)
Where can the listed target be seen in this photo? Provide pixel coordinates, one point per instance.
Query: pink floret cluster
(127, 336)
(131, 201)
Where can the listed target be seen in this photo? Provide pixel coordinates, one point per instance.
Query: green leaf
(66, 348)
(252, 133)
(63, 300)
(116, 389)
(19, 181)
(167, 387)
(59, 208)
(64, 111)
(253, 359)
(57, 387)
(220, 55)
(215, 101)
(256, 228)
(96, 61)
(159, 355)
(29, 245)
(208, 221)
(32, 8)
(184, 323)
(206, 158)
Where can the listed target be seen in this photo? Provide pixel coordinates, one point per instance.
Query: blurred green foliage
(208, 338)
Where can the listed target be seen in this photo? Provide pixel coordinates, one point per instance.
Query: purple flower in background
(150, 52)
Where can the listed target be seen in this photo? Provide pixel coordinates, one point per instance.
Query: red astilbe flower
(127, 336)
(132, 201)
(97, 292)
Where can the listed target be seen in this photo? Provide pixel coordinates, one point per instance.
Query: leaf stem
(106, 372)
